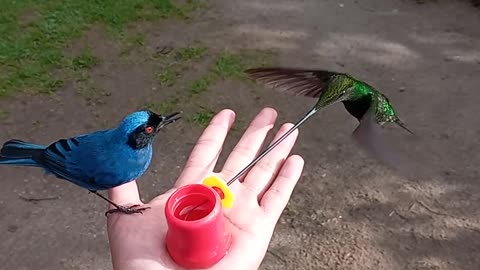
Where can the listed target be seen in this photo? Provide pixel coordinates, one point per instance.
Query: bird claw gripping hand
(197, 236)
(128, 210)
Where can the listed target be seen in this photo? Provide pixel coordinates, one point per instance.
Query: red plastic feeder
(196, 236)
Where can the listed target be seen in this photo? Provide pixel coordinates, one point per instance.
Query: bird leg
(119, 208)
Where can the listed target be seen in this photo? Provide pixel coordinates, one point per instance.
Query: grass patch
(33, 34)
(192, 5)
(138, 39)
(190, 53)
(229, 65)
(92, 94)
(168, 76)
(200, 85)
(202, 117)
(225, 65)
(257, 58)
(49, 85)
(164, 107)
(172, 66)
(132, 42)
(3, 114)
(87, 89)
(86, 60)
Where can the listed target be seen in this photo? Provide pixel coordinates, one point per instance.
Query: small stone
(12, 228)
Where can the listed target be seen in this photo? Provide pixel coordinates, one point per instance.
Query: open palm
(138, 241)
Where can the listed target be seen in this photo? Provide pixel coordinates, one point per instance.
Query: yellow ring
(214, 181)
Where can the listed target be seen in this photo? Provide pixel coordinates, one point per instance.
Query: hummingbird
(368, 105)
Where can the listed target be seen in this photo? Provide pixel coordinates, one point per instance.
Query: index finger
(205, 154)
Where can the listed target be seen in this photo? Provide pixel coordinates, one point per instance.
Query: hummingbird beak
(169, 119)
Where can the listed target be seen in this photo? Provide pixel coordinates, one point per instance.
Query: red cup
(196, 236)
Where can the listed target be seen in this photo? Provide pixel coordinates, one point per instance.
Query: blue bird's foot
(127, 210)
(119, 208)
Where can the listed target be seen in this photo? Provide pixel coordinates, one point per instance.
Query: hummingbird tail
(16, 152)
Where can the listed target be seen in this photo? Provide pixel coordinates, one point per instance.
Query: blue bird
(97, 161)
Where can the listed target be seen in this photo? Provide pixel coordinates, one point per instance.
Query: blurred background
(71, 67)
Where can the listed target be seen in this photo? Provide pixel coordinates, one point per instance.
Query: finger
(264, 172)
(250, 143)
(278, 195)
(205, 154)
(126, 194)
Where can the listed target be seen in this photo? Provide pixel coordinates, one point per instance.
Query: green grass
(190, 53)
(173, 67)
(202, 117)
(164, 107)
(229, 65)
(86, 60)
(226, 64)
(91, 93)
(3, 114)
(200, 85)
(168, 75)
(137, 40)
(33, 34)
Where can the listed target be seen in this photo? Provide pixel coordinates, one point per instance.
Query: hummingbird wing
(299, 82)
(395, 153)
(370, 136)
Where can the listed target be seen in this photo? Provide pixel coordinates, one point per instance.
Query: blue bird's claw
(127, 210)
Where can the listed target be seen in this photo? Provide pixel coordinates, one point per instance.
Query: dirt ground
(347, 212)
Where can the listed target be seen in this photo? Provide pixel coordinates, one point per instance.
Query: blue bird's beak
(166, 120)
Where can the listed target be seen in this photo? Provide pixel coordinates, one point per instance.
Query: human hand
(138, 241)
